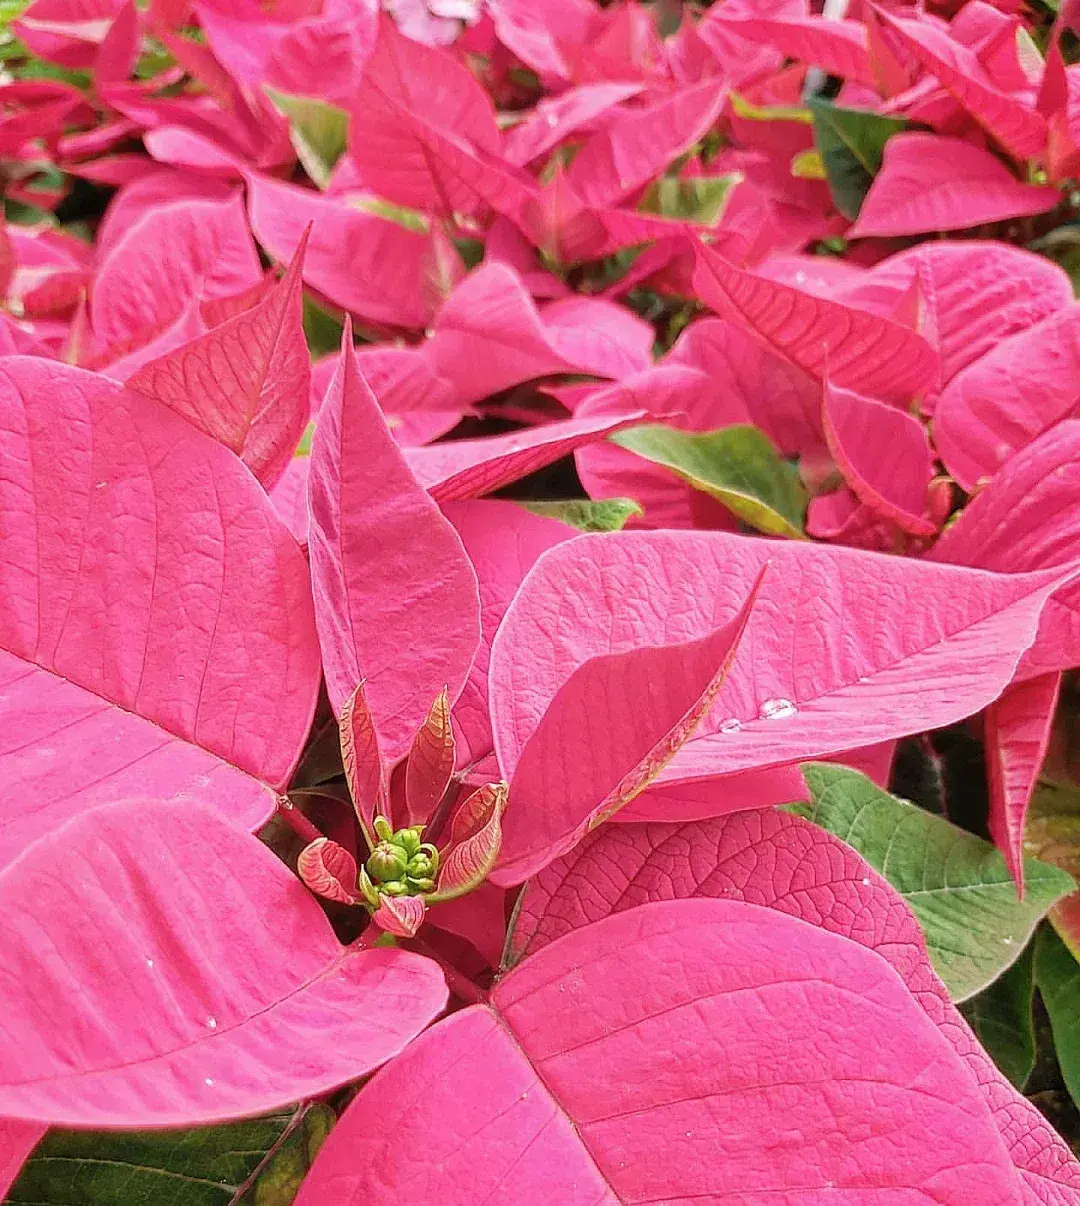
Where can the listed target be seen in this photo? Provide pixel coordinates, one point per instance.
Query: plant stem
(296, 821)
(460, 985)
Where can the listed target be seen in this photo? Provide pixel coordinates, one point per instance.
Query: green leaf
(700, 199)
(204, 1166)
(750, 112)
(1002, 1018)
(411, 219)
(602, 515)
(956, 884)
(319, 132)
(1058, 976)
(1052, 833)
(851, 142)
(738, 466)
(321, 329)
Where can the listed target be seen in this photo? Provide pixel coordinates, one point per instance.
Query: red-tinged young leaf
(1017, 735)
(475, 841)
(855, 349)
(1018, 390)
(1013, 122)
(17, 1141)
(247, 382)
(884, 455)
(396, 600)
(938, 643)
(204, 995)
(401, 916)
(610, 729)
(638, 144)
(366, 264)
(929, 183)
(971, 295)
(362, 760)
(1026, 519)
(503, 542)
(557, 117)
(463, 469)
(563, 1088)
(328, 870)
(157, 636)
(430, 763)
(173, 254)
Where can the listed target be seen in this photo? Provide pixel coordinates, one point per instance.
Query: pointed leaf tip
(363, 762)
(431, 762)
(329, 870)
(475, 838)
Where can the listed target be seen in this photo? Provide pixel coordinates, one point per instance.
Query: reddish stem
(296, 821)
(460, 985)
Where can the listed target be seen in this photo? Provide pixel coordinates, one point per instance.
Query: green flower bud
(387, 863)
(420, 866)
(396, 888)
(420, 885)
(408, 839)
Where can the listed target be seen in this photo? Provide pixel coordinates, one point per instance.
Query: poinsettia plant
(513, 516)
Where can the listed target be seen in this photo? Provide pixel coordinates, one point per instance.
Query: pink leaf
(213, 986)
(638, 144)
(246, 383)
(1018, 390)
(781, 862)
(475, 840)
(289, 496)
(556, 118)
(837, 46)
(1015, 123)
(489, 336)
(462, 469)
(17, 1141)
(565, 1087)
(502, 541)
(172, 255)
(929, 183)
(971, 295)
(747, 382)
(937, 648)
(158, 634)
(328, 870)
(1026, 519)
(611, 728)
(854, 348)
(884, 455)
(395, 596)
(368, 265)
(1017, 736)
(430, 764)
(401, 916)
(704, 798)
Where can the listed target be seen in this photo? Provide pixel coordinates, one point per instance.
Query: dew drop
(732, 725)
(208, 1081)
(864, 678)
(1007, 941)
(866, 883)
(101, 485)
(552, 120)
(778, 709)
(149, 963)
(211, 1023)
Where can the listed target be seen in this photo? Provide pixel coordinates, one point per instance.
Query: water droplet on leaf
(778, 709)
(732, 725)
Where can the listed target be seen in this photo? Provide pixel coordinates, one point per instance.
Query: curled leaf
(475, 838)
(431, 762)
(401, 916)
(362, 761)
(329, 870)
